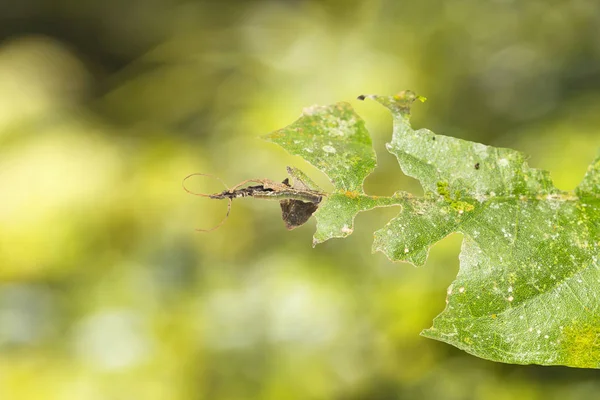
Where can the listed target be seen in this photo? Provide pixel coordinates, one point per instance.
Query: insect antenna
(210, 197)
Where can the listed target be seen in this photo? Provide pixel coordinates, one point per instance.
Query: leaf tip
(400, 102)
(428, 333)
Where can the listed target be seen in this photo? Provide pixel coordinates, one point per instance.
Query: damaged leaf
(529, 275)
(529, 278)
(335, 140)
(525, 291)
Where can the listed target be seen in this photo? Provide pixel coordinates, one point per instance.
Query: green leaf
(335, 140)
(529, 278)
(335, 217)
(526, 289)
(590, 186)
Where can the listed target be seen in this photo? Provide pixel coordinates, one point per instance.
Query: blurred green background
(106, 290)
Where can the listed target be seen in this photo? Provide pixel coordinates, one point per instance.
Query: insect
(477, 166)
(298, 196)
(295, 212)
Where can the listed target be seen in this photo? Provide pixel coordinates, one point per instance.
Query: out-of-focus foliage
(106, 291)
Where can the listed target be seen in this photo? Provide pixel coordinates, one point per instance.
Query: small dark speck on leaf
(433, 138)
(477, 166)
(361, 97)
